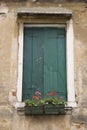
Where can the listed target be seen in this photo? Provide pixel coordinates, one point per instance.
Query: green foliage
(39, 101)
(44, 101)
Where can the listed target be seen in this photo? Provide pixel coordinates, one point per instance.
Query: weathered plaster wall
(53, 1)
(10, 119)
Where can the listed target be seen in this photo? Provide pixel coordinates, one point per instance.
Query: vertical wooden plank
(27, 64)
(50, 62)
(61, 59)
(37, 72)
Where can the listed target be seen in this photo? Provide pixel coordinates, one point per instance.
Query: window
(47, 74)
(44, 61)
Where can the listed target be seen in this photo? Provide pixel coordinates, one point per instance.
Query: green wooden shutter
(55, 61)
(33, 62)
(44, 67)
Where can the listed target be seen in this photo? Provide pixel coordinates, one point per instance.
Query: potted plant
(35, 106)
(49, 105)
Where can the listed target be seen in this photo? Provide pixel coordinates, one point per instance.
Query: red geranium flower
(35, 97)
(53, 94)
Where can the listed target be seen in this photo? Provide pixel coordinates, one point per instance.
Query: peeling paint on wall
(10, 119)
(3, 8)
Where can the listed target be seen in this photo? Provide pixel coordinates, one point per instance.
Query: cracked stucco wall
(10, 119)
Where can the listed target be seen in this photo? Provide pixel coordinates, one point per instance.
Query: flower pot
(47, 109)
(54, 109)
(33, 110)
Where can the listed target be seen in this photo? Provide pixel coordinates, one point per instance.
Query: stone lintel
(47, 11)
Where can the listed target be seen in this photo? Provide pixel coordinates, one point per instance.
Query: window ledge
(19, 105)
(72, 104)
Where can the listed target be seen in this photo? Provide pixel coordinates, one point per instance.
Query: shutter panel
(33, 62)
(55, 61)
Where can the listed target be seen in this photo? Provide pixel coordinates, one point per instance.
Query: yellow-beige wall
(10, 119)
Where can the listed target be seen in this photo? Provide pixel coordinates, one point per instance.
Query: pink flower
(61, 98)
(38, 93)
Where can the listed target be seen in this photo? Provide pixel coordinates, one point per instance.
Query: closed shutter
(44, 62)
(55, 61)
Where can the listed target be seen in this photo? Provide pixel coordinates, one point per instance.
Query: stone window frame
(69, 62)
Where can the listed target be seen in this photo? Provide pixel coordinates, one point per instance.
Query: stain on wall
(10, 119)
